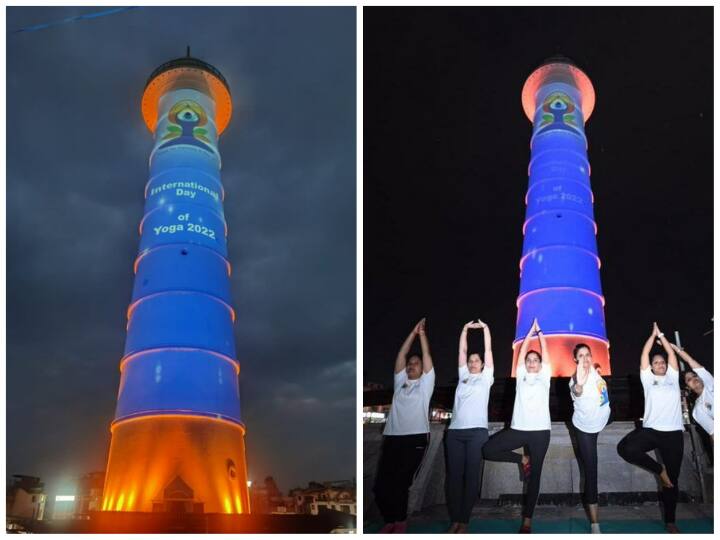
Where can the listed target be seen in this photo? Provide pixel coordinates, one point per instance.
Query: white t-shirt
(471, 399)
(531, 411)
(704, 409)
(410, 404)
(662, 400)
(592, 408)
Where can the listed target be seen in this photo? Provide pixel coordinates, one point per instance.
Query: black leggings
(633, 447)
(464, 460)
(588, 461)
(499, 448)
(400, 459)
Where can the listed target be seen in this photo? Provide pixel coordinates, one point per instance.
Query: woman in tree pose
(700, 383)
(591, 411)
(406, 432)
(530, 425)
(468, 432)
(662, 426)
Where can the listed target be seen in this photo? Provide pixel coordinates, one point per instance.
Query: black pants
(499, 448)
(588, 461)
(400, 459)
(463, 451)
(633, 447)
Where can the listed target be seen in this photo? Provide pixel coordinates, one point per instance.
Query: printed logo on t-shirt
(411, 384)
(662, 380)
(602, 390)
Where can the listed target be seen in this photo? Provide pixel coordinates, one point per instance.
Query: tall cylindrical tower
(177, 437)
(560, 267)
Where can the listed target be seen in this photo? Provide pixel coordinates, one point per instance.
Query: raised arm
(401, 359)
(544, 351)
(426, 358)
(580, 378)
(525, 345)
(672, 359)
(694, 364)
(645, 354)
(488, 360)
(462, 346)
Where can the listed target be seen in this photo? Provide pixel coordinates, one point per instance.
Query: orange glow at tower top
(163, 77)
(558, 71)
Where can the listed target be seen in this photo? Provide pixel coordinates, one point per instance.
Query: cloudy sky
(77, 153)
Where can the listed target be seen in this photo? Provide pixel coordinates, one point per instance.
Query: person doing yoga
(702, 394)
(406, 433)
(662, 425)
(591, 411)
(530, 426)
(468, 431)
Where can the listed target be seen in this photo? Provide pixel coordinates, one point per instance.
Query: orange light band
(132, 306)
(162, 415)
(157, 87)
(150, 250)
(534, 291)
(125, 359)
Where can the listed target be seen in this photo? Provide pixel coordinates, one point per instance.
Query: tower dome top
(162, 78)
(558, 68)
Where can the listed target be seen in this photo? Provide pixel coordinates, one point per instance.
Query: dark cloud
(77, 165)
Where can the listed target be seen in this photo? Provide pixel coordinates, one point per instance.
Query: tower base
(561, 353)
(177, 463)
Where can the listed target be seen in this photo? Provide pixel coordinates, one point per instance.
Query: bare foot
(453, 528)
(665, 479)
(462, 528)
(671, 528)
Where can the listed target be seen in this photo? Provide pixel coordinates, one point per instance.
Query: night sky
(77, 152)
(446, 151)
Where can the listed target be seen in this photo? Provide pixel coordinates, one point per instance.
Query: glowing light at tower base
(148, 452)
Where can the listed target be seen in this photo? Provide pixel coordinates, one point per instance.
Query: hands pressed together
(472, 324)
(535, 328)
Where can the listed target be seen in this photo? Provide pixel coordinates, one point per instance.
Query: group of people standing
(467, 441)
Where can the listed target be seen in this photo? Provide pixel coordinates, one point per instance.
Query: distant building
(338, 496)
(89, 493)
(266, 498)
(376, 414)
(87, 497)
(63, 507)
(25, 501)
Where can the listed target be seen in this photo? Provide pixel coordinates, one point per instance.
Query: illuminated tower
(177, 437)
(560, 267)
